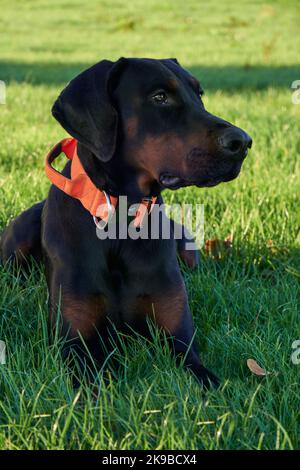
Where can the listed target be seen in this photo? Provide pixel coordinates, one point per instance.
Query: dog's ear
(167, 61)
(85, 110)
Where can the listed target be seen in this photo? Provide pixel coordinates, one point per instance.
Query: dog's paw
(205, 377)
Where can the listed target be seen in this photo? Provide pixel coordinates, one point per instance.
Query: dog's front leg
(80, 319)
(190, 257)
(172, 314)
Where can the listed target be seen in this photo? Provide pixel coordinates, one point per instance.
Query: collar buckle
(101, 223)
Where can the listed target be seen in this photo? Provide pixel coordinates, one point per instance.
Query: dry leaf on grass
(255, 368)
(218, 248)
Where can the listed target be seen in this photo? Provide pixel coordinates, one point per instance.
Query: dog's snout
(235, 141)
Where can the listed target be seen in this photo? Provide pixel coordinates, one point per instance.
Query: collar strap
(81, 187)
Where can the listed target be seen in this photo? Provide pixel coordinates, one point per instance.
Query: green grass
(245, 305)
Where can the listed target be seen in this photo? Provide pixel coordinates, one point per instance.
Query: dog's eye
(160, 98)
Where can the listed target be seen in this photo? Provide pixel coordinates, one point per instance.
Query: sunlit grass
(244, 305)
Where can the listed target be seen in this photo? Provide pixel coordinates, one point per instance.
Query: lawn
(245, 305)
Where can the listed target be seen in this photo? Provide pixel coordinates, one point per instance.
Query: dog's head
(145, 121)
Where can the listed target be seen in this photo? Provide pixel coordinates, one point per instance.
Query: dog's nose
(235, 141)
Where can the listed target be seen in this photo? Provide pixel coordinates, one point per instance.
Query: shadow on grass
(229, 77)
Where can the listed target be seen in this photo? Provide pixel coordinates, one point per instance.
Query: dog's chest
(129, 284)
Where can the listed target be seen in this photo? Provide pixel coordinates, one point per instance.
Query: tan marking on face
(156, 152)
(132, 127)
(172, 84)
(149, 156)
(168, 153)
(83, 315)
(195, 83)
(144, 182)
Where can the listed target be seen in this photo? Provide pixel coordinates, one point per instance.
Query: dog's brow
(195, 83)
(172, 84)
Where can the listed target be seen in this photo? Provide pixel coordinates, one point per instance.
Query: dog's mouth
(173, 182)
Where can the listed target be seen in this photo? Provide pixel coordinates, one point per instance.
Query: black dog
(141, 127)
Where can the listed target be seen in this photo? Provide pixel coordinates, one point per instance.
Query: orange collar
(80, 186)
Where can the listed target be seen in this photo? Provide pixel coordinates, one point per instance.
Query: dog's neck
(116, 177)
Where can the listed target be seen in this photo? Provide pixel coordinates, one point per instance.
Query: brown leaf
(217, 248)
(255, 368)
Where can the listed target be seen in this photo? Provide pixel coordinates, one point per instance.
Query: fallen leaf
(217, 248)
(255, 368)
